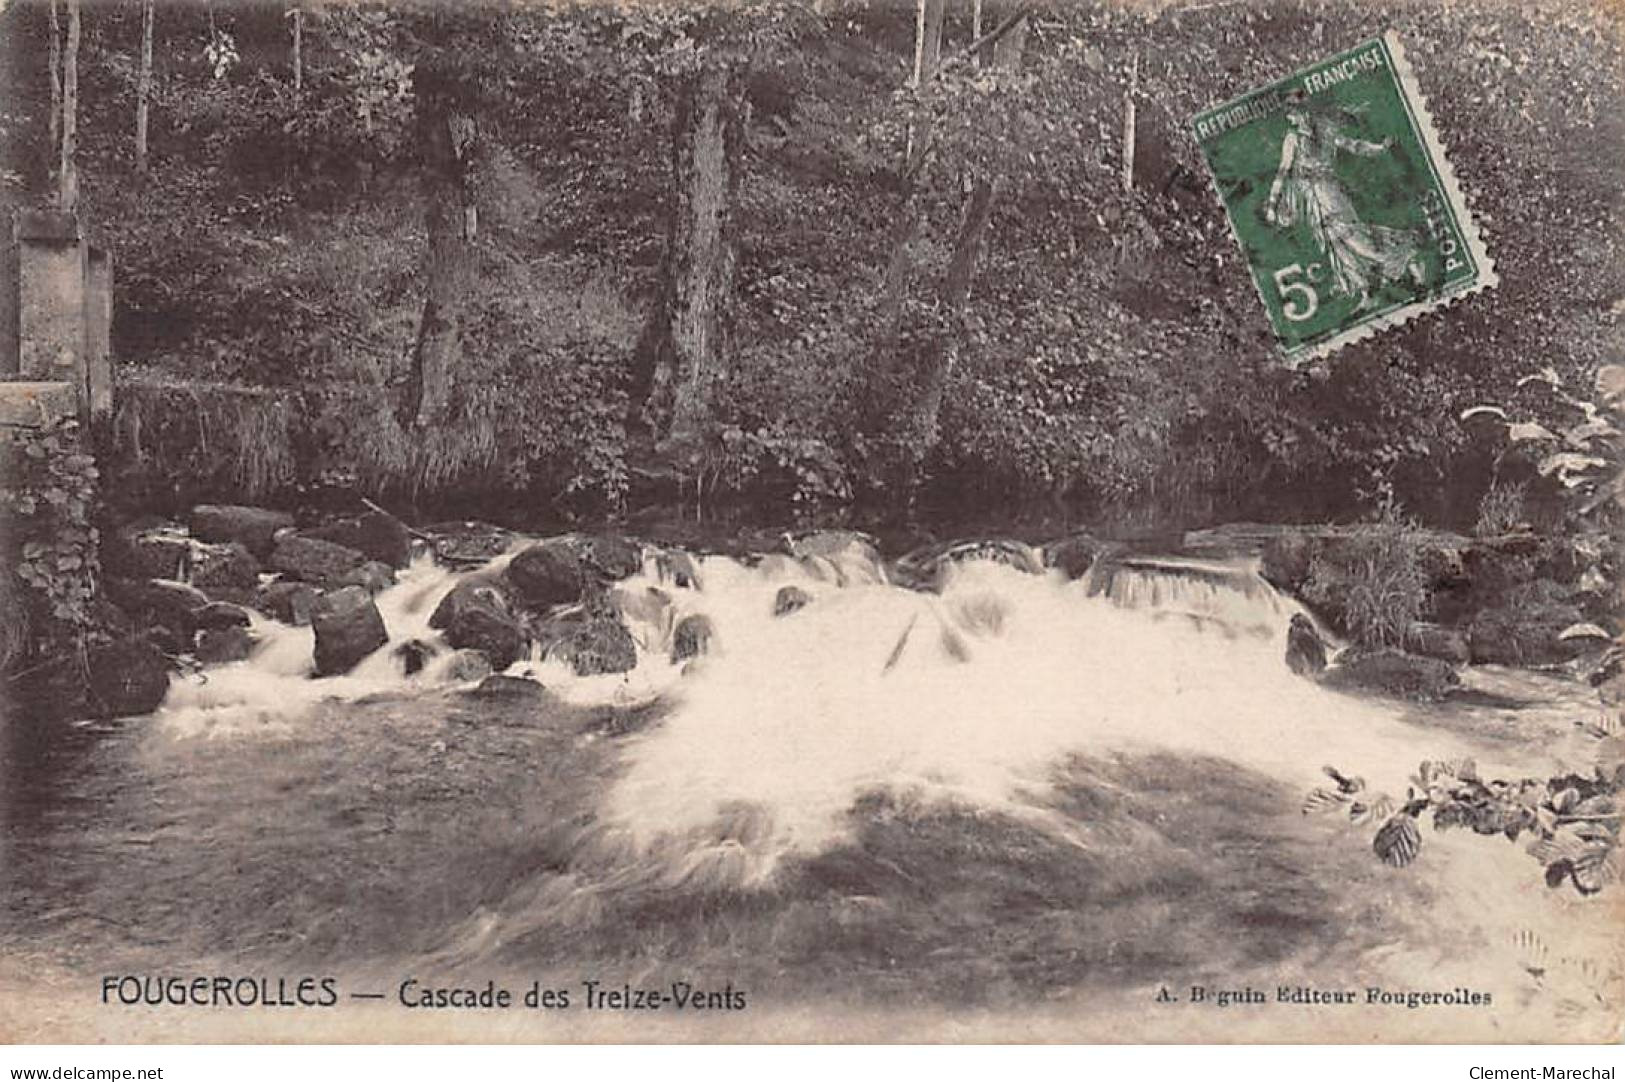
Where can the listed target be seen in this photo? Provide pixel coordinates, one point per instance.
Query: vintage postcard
(787, 521)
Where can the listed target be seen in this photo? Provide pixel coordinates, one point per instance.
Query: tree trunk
(451, 140)
(143, 87)
(938, 363)
(68, 177)
(685, 346)
(56, 74)
(297, 18)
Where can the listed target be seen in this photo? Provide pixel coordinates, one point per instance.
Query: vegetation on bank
(461, 253)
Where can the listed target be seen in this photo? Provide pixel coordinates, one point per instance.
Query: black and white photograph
(716, 522)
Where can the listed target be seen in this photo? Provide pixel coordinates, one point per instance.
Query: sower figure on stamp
(1306, 189)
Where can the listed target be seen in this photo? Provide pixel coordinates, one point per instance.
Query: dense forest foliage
(576, 260)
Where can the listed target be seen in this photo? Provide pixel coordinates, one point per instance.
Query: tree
(450, 140)
(296, 27)
(68, 176)
(685, 344)
(143, 87)
(55, 69)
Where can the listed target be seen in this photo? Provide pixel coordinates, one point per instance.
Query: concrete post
(51, 272)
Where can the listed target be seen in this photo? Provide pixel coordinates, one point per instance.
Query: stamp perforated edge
(1486, 278)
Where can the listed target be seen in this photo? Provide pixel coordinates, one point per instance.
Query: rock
(1524, 630)
(1074, 556)
(464, 666)
(498, 686)
(1286, 559)
(790, 599)
(928, 568)
(465, 545)
(692, 637)
(475, 591)
(252, 527)
(221, 614)
(162, 601)
(414, 655)
(218, 645)
(1391, 672)
(310, 559)
(607, 557)
(372, 576)
(834, 544)
(1305, 649)
(148, 551)
(1433, 640)
(348, 627)
(678, 568)
(289, 602)
(377, 535)
(599, 646)
(127, 677)
(493, 633)
(229, 566)
(476, 615)
(547, 573)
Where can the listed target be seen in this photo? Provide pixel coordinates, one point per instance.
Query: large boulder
(226, 568)
(127, 677)
(466, 545)
(547, 573)
(1436, 641)
(252, 527)
(1393, 673)
(172, 604)
(692, 637)
(1074, 556)
(377, 535)
(221, 614)
(475, 591)
(607, 557)
(1305, 649)
(147, 550)
(1526, 628)
(495, 634)
(600, 645)
(476, 615)
(218, 645)
(312, 560)
(348, 627)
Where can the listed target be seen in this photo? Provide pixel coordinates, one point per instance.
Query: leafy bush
(1573, 821)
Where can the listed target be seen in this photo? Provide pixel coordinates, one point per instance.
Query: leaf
(1529, 430)
(1611, 383)
(1568, 462)
(1492, 411)
(1398, 842)
(1322, 801)
(1565, 800)
(1380, 807)
(1594, 869)
(1582, 631)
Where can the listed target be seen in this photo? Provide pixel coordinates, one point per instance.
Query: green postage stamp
(1338, 189)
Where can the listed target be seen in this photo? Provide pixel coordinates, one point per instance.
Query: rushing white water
(974, 692)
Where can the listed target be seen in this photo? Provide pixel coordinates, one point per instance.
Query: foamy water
(973, 693)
